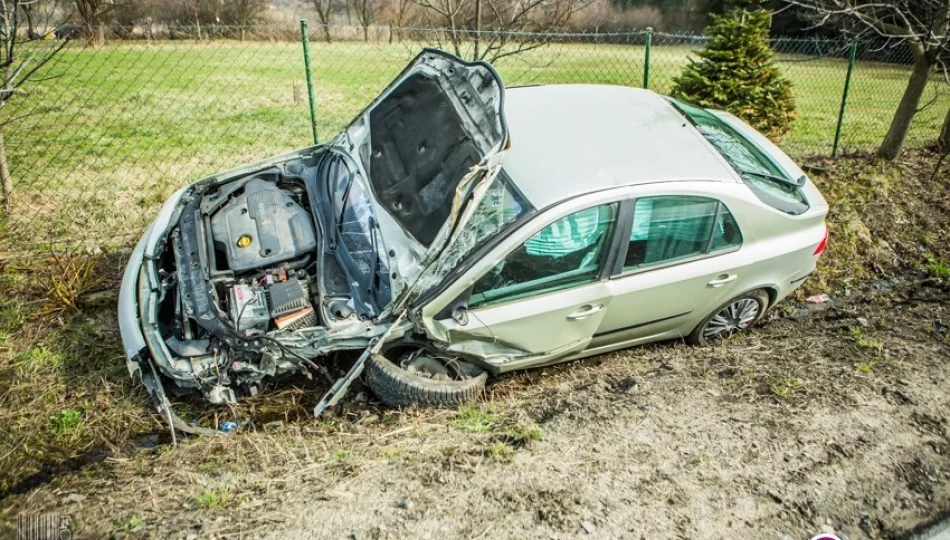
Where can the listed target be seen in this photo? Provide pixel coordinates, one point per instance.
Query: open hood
(424, 145)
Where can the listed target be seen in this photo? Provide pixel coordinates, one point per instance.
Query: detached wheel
(733, 317)
(424, 379)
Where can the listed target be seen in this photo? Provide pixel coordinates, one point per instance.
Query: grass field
(113, 131)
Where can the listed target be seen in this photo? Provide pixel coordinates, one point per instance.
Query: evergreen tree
(737, 72)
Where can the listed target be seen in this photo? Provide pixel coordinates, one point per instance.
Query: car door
(682, 259)
(545, 297)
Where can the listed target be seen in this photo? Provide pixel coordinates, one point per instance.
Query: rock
(405, 504)
(588, 527)
(863, 322)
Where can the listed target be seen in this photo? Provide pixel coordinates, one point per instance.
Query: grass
(865, 367)
(878, 221)
(213, 498)
(784, 387)
(863, 340)
(475, 419)
(501, 452)
(66, 423)
(131, 524)
(115, 130)
(938, 269)
(64, 388)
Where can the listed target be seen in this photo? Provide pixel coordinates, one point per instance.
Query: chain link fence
(107, 133)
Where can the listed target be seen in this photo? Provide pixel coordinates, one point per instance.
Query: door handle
(722, 279)
(584, 312)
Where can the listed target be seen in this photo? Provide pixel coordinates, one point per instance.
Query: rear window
(764, 177)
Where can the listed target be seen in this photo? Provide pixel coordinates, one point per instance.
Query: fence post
(844, 97)
(305, 38)
(646, 58)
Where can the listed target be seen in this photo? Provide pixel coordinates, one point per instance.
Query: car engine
(262, 226)
(265, 232)
(267, 239)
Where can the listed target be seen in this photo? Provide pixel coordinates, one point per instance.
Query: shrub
(737, 72)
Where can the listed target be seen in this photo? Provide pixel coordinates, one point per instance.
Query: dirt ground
(830, 417)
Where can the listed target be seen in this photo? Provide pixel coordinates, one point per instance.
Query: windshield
(502, 206)
(753, 165)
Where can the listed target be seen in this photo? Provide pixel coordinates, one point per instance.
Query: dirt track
(827, 418)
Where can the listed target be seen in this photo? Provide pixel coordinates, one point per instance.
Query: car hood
(425, 145)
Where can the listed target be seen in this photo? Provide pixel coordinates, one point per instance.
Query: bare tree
(497, 28)
(397, 15)
(924, 25)
(243, 13)
(93, 14)
(366, 12)
(325, 9)
(22, 56)
(194, 11)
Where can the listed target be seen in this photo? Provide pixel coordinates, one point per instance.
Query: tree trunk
(478, 27)
(101, 34)
(365, 32)
(943, 141)
(907, 108)
(5, 173)
(30, 27)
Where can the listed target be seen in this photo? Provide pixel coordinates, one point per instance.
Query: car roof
(567, 140)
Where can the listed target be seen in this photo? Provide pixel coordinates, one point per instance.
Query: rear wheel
(421, 377)
(733, 317)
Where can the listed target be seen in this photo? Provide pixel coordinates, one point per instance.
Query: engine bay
(268, 241)
(253, 286)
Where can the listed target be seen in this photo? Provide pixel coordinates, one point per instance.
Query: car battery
(249, 309)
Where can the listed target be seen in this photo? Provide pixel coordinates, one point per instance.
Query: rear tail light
(822, 245)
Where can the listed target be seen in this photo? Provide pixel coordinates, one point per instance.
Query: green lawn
(115, 130)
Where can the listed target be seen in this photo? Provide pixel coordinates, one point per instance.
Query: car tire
(397, 387)
(701, 335)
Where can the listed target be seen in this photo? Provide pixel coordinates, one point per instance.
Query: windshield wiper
(799, 182)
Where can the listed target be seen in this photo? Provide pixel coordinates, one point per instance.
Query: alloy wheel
(736, 316)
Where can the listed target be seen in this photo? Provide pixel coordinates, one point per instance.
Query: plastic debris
(228, 427)
(818, 299)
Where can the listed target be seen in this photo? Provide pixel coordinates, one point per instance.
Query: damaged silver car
(620, 217)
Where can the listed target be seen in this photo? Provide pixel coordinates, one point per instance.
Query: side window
(671, 228)
(566, 253)
(726, 232)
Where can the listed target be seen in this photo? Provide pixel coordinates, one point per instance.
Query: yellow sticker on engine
(244, 241)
